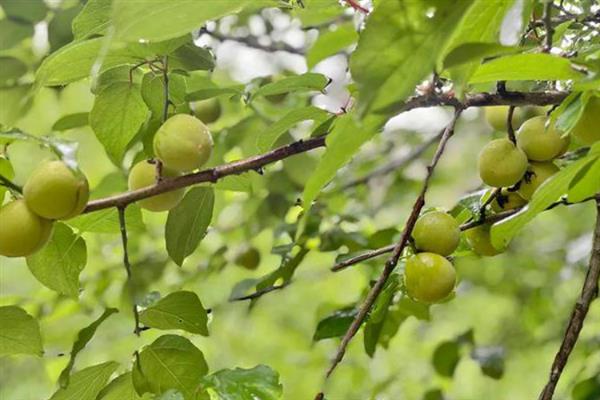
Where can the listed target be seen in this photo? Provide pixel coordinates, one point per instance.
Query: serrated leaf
(71, 121)
(550, 191)
(107, 220)
(266, 140)
(170, 362)
(120, 388)
(336, 324)
(307, 81)
(118, 113)
(20, 333)
(76, 60)
(178, 310)
(83, 338)
(399, 47)
(87, 383)
(58, 265)
(330, 43)
(155, 20)
(522, 67)
(94, 19)
(187, 223)
(260, 382)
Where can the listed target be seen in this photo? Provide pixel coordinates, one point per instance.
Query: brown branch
(127, 264)
(547, 19)
(589, 292)
(165, 74)
(252, 41)
(259, 293)
(208, 175)
(510, 131)
(355, 5)
(398, 248)
(489, 219)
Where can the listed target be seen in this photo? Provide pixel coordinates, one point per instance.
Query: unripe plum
(22, 232)
(183, 143)
(55, 191)
(248, 258)
(429, 277)
(143, 174)
(587, 129)
(501, 163)
(539, 142)
(507, 200)
(207, 111)
(480, 241)
(437, 232)
(537, 173)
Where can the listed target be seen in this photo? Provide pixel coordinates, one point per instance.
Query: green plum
(429, 277)
(437, 232)
(143, 174)
(22, 232)
(501, 163)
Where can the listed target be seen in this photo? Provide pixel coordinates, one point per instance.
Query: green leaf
(266, 140)
(549, 192)
(13, 33)
(399, 47)
(118, 113)
(120, 388)
(30, 11)
(307, 81)
(153, 91)
(522, 67)
(76, 60)
(187, 223)
(330, 43)
(87, 383)
(446, 357)
(588, 389)
(11, 69)
(7, 171)
(190, 57)
(215, 91)
(260, 382)
(155, 20)
(178, 310)
(83, 338)
(58, 265)
(170, 362)
(586, 183)
(336, 324)
(490, 360)
(468, 52)
(107, 221)
(93, 20)
(59, 27)
(71, 121)
(20, 333)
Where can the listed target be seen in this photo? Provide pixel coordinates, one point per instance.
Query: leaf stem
(127, 265)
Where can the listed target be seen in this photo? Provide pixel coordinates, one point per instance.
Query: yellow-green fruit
(437, 232)
(541, 142)
(55, 191)
(587, 129)
(507, 200)
(248, 258)
(537, 173)
(501, 163)
(143, 174)
(183, 143)
(208, 111)
(497, 117)
(22, 232)
(429, 277)
(480, 241)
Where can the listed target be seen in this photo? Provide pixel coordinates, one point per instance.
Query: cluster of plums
(54, 191)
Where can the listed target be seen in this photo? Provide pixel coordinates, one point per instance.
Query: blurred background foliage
(494, 340)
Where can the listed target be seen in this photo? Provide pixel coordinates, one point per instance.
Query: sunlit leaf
(20, 333)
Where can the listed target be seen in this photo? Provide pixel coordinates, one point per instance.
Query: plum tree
(507, 200)
(501, 163)
(587, 129)
(55, 191)
(537, 173)
(429, 277)
(143, 174)
(480, 241)
(183, 143)
(437, 232)
(539, 141)
(22, 232)
(207, 111)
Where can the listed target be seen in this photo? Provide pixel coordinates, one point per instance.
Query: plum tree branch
(127, 264)
(253, 42)
(367, 255)
(547, 19)
(589, 292)
(391, 263)
(301, 146)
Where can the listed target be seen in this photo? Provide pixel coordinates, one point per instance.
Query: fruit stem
(509, 125)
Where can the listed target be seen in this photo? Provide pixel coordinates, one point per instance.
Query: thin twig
(589, 292)
(397, 251)
(510, 130)
(4, 181)
(259, 293)
(356, 5)
(165, 74)
(547, 19)
(253, 42)
(127, 265)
